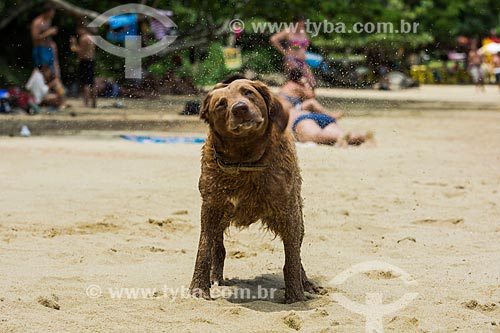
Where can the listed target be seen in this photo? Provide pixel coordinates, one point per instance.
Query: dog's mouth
(246, 125)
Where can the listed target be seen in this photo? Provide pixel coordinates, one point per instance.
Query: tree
(203, 22)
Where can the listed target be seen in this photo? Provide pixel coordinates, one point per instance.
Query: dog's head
(242, 108)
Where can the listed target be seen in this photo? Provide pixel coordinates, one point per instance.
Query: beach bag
(24, 100)
(36, 85)
(192, 108)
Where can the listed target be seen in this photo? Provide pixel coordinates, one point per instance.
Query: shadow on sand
(264, 293)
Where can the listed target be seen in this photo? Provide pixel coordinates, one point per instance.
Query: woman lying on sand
(309, 120)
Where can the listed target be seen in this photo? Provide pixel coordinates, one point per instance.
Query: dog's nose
(239, 109)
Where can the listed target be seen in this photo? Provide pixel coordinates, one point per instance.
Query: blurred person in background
(309, 120)
(44, 47)
(45, 53)
(474, 66)
(496, 68)
(85, 50)
(296, 43)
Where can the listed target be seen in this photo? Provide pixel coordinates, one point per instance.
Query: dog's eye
(220, 105)
(248, 93)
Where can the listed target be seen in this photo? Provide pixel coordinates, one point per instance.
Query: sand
(83, 215)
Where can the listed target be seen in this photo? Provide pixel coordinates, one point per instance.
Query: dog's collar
(235, 168)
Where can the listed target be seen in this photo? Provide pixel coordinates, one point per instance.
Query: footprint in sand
(154, 249)
(81, 229)
(172, 224)
(450, 195)
(234, 311)
(293, 321)
(180, 212)
(8, 235)
(404, 324)
(49, 302)
(430, 183)
(202, 320)
(453, 221)
(241, 254)
(267, 247)
(382, 275)
(486, 308)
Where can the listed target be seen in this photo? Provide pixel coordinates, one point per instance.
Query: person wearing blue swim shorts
(45, 55)
(309, 120)
(44, 48)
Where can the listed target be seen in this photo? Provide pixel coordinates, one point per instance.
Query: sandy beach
(83, 217)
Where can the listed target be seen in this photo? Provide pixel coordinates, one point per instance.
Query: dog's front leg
(218, 253)
(211, 216)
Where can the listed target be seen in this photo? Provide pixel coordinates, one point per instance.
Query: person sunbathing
(309, 120)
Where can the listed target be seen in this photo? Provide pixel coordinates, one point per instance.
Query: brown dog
(249, 171)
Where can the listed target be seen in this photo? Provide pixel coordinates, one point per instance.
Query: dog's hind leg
(306, 283)
(309, 286)
(292, 271)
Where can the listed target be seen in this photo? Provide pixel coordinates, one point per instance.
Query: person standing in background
(84, 47)
(44, 48)
(297, 42)
(475, 71)
(45, 53)
(496, 68)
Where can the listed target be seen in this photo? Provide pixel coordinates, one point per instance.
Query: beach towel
(156, 139)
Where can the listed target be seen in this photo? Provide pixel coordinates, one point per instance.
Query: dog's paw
(216, 279)
(313, 288)
(294, 297)
(217, 282)
(200, 293)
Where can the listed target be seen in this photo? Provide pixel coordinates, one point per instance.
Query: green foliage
(212, 69)
(108, 65)
(12, 75)
(186, 70)
(262, 60)
(159, 68)
(440, 23)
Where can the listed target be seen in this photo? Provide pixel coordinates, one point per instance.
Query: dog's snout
(239, 109)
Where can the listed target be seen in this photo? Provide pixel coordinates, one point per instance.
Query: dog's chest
(234, 201)
(244, 211)
(249, 201)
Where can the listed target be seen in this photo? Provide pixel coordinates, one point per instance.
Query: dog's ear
(274, 107)
(206, 102)
(204, 108)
